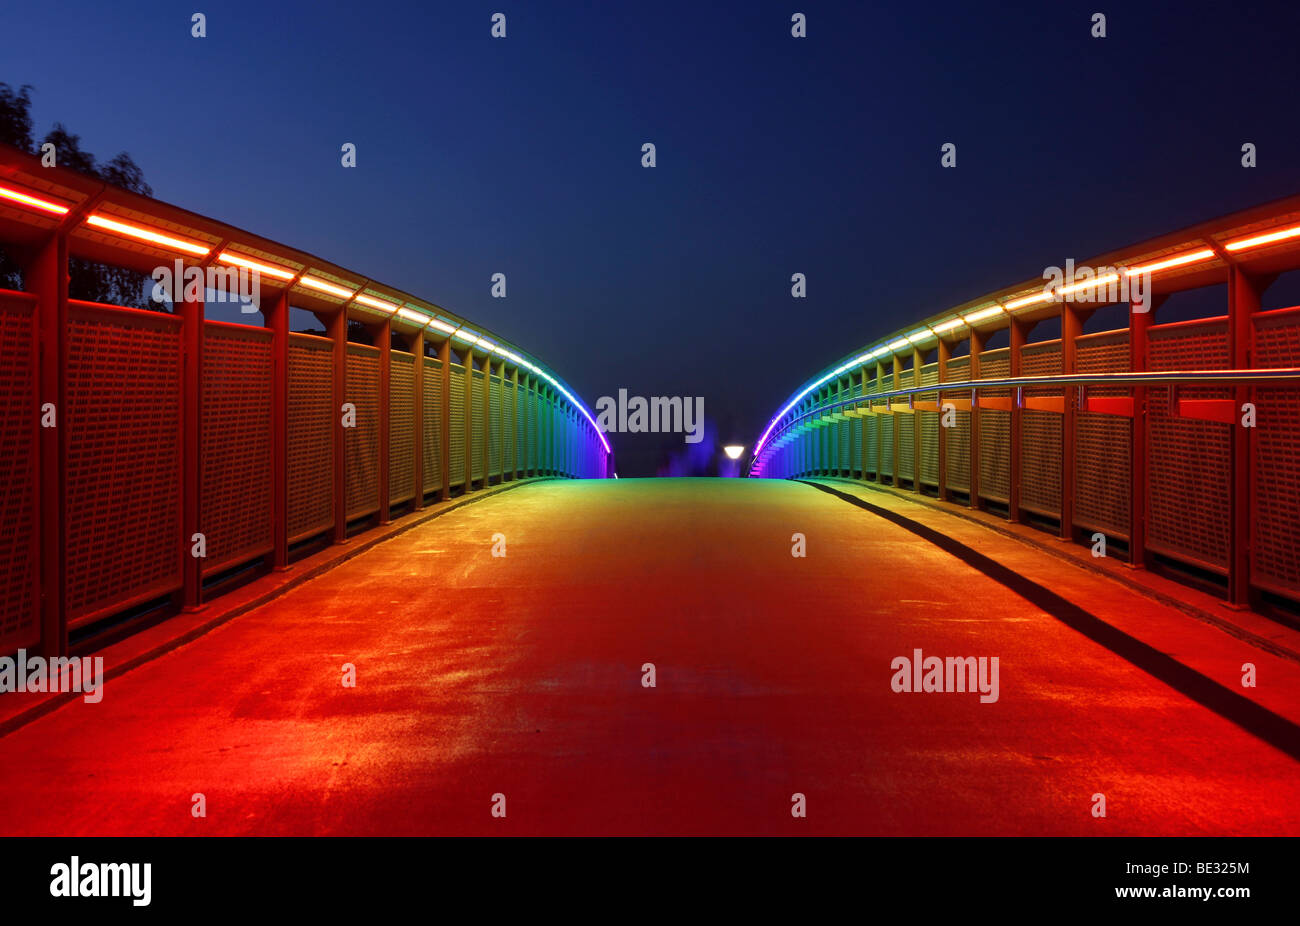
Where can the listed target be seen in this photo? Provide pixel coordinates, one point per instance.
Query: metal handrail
(1156, 377)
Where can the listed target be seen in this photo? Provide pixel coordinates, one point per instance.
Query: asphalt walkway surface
(517, 682)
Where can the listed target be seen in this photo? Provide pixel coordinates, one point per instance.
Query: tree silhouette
(87, 280)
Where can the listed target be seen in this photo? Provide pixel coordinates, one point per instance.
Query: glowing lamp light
(733, 451)
(1242, 244)
(1189, 258)
(917, 337)
(322, 286)
(145, 234)
(1086, 284)
(32, 202)
(374, 303)
(982, 314)
(947, 326)
(410, 316)
(441, 325)
(899, 344)
(1027, 300)
(227, 258)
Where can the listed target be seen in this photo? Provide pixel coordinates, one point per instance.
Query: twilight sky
(775, 155)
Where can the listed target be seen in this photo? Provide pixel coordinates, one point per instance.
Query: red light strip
(227, 258)
(145, 234)
(377, 303)
(1191, 257)
(1255, 241)
(32, 202)
(322, 286)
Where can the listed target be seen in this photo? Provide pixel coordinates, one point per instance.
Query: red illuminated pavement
(521, 675)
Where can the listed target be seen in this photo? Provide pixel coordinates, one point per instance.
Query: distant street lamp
(733, 451)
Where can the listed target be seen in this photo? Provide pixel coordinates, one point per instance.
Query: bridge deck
(522, 675)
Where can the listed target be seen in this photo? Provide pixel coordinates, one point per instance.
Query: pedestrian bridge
(376, 579)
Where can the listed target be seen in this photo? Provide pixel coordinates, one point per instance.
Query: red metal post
(898, 382)
(513, 424)
(880, 437)
(1019, 331)
(47, 277)
(469, 420)
(276, 315)
(336, 326)
(383, 333)
(1139, 324)
(1243, 302)
(1071, 328)
(191, 313)
(945, 354)
(444, 357)
(416, 346)
(977, 342)
(918, 361)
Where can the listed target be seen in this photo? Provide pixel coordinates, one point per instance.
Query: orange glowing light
(1242, 244)
(1099, 281)
(227, 258)
(983, 314)
(1190, 257)
(322, 286)
(1027, 300)
(376, 303)
(145, 234)
(32, 202)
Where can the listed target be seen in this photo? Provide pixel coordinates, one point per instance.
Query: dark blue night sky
(775, 155)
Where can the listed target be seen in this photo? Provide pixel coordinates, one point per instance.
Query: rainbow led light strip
(407, 312)
(1000, 308)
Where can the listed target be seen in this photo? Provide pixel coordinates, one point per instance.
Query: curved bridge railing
(147, 458)
(1179, 442)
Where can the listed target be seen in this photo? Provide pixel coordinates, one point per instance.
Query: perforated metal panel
(19, 623)
(401, 427)
(929, 456)
(957, 451)
(903, 423)
(1276, 483)
(1187, 497)
(477, 424)
(855, 446)
(235, 465)
(886, 444)
(312, 419)
(361, 443)
(494, 426)
(844, 444)
(534, 463)
(432, 424)
(522, 401)
(1040, 435)
(995, 431)
(456, 409)
(871, 441)
(123, 498)
(1102, 451)
(509, 425)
